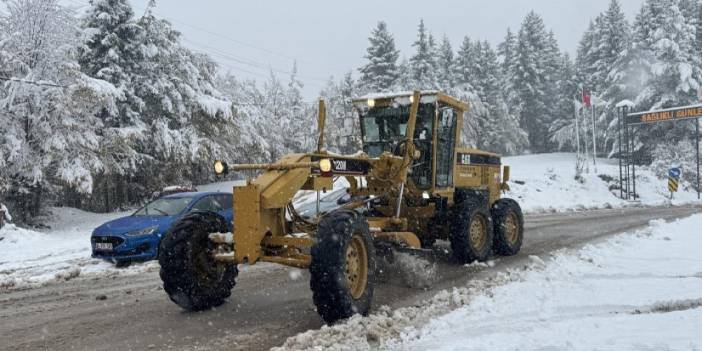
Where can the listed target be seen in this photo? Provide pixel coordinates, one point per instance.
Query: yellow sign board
(665, 115)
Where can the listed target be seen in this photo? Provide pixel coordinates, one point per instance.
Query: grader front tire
(191, 277)
(342, 271)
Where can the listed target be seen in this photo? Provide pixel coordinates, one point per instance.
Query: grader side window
(446, 140)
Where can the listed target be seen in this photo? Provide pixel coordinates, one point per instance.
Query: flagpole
(577, 131)
(587, 164)
(594, 135)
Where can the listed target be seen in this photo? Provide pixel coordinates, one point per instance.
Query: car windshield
(169, 206)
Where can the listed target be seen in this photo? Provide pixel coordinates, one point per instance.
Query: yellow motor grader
(411, 184)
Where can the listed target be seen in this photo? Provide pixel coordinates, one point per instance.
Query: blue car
(137, 237)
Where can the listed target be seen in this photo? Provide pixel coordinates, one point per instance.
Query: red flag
(586, 99)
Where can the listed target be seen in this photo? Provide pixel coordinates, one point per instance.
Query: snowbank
(640, 291)
(6, 212)
(546, 183)
(31, 258)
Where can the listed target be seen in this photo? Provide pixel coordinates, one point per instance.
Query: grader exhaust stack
(411, 185)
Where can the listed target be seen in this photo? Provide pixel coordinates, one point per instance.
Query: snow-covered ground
(546, 183)
(636, 291)
(29, 258)
(539, 182)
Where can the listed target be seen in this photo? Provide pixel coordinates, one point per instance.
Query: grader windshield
(385, 127)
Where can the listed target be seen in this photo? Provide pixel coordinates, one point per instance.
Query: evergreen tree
(563, 129)
(660, 70)
(112, 52)
(500, 130)
(381, 72)
(507, 52)
(466, 62)
(532, 70)
(445, 64)
(404, 79)
(342, 133)
(48, 132)
(422, 63)
(666, 39)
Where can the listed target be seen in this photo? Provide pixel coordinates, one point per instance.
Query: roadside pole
(697, 144)
(594, 138)
(577, 139)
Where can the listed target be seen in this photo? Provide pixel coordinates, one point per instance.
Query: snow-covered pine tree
(612, 36)
(660, 70)
(381, 71)
(614, 39)
(506, 51)
(423, 63)
(692, 11)
(404, 77)
(48, 132)
(300, 134)
(563, 128)
(342, 132)
(112, 52)
(507, 54)
(667, 39)
(587, 57)
(499, 130)
(553, 61)
(250, 137)
(182, 108)
(531, 84)
(466, 63)
(445, 64)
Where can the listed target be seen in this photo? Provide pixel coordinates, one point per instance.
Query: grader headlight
(221, 168)
(325, 165)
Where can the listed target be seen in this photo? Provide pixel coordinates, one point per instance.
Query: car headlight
(143, 232)
(325, 165)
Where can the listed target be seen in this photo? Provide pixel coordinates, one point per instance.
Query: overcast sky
(329, 38)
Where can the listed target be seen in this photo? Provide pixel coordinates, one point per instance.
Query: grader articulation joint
(411, 185)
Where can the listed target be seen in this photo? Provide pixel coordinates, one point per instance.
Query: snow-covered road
(271, 303)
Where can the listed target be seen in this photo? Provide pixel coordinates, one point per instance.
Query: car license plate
(103, 246)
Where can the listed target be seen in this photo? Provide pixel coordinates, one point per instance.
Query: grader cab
(411, 185)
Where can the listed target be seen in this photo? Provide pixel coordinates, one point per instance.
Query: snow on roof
(394, 94)
(400, 98)
(627, 103)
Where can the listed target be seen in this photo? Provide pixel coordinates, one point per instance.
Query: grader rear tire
(342, 271)
(471, 232)
(191, 277)
(509, 227)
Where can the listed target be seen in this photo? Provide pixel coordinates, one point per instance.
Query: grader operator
(410, 186)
